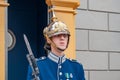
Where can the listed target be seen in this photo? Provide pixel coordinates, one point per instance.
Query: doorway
(25, 17)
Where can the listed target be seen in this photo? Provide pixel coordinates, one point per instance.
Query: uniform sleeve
(80, 74)
(29, 74)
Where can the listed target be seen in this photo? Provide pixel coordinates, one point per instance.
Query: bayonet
(32, 60)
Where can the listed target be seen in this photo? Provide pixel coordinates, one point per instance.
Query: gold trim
(63, 10)
(66, 3)
(3, 4)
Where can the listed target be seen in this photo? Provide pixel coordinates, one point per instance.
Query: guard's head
(53, 29)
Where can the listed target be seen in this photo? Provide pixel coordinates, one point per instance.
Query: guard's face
(60, 40)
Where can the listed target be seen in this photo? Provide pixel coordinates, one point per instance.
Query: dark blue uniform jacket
(58, 68)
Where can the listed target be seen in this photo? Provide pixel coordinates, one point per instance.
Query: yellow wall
(2, 39)
(65, 11)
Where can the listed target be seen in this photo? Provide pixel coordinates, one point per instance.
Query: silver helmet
(56, 28)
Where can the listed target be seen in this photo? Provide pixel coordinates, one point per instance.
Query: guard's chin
(61, 49)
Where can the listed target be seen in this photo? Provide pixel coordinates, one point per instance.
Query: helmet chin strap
(60, 49)
(57, 48)
(54, 45)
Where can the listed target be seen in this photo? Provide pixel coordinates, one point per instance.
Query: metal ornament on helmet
(56, 28)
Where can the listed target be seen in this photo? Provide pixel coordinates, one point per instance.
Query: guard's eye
(61, 35)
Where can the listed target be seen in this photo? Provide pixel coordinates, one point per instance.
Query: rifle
(31, 59)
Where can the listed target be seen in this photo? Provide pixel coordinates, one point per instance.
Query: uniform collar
(56, 59)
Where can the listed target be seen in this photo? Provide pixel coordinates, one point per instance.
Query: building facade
(96, 27)
(98, 38)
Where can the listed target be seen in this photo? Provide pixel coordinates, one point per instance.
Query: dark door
(25, 17)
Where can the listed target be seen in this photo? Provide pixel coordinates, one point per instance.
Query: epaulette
(73, 60)
(42, 58)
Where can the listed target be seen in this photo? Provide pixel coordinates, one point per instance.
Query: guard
(56, 66)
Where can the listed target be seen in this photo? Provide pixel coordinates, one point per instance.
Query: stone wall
(98, 38)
